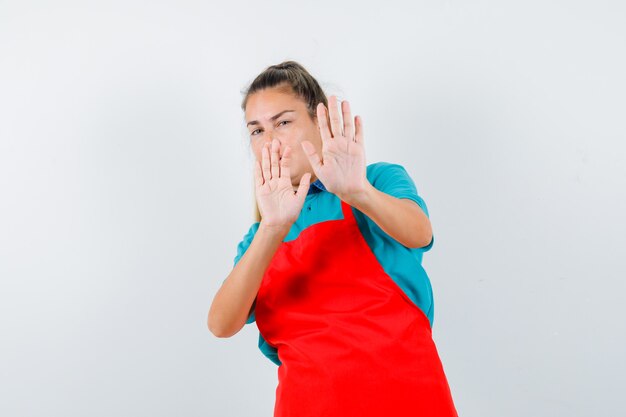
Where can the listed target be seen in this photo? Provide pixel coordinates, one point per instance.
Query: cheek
(257, 146)
(257, 153)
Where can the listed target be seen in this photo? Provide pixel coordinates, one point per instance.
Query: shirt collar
(316, 187)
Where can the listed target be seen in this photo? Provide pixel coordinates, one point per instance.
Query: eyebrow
(255, 122)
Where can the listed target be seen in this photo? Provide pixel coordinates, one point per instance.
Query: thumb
(303, 187)
(312, 155)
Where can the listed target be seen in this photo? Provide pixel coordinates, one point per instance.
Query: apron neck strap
(347, 211)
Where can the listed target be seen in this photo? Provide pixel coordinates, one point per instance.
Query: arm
(401, 218)
(234, 300)
(343, 172)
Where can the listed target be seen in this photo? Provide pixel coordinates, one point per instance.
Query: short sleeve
(245, 242)
(241, 249)
(393, 179)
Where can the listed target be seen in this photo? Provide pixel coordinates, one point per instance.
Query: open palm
(278, 204)
(342, 167)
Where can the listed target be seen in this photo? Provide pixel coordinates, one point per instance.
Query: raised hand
(342, 167)
(278, 204)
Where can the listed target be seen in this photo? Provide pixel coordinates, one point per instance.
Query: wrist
(275, 230)
(362, 198)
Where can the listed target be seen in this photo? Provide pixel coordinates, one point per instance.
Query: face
(291, 126)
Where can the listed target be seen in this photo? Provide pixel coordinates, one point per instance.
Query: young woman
(331, 270)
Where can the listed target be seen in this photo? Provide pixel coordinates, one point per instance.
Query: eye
(283, 121)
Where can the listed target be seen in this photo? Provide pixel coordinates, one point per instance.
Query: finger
(311, 154)
(265, 162)
(358, 136)
(284, 163)
(348, 127)
(303, 187)
(335, 119)
(258, 177)
(322, 121)
(274, 169)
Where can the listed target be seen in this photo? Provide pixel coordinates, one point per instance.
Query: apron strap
(348, 215)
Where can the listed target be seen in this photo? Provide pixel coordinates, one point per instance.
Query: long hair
(293, 78)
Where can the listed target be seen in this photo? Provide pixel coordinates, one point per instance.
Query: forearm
(401, 218)
(233, 301)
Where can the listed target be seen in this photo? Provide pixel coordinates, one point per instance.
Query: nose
(269, 138)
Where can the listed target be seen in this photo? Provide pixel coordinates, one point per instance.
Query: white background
(125, 186)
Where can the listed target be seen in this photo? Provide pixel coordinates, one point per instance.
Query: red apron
(350, 341)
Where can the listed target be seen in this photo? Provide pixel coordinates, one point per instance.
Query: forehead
(266, 103)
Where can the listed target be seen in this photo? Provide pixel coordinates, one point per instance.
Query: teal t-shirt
(402, 264)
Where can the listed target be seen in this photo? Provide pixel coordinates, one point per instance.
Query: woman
(331, 270)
